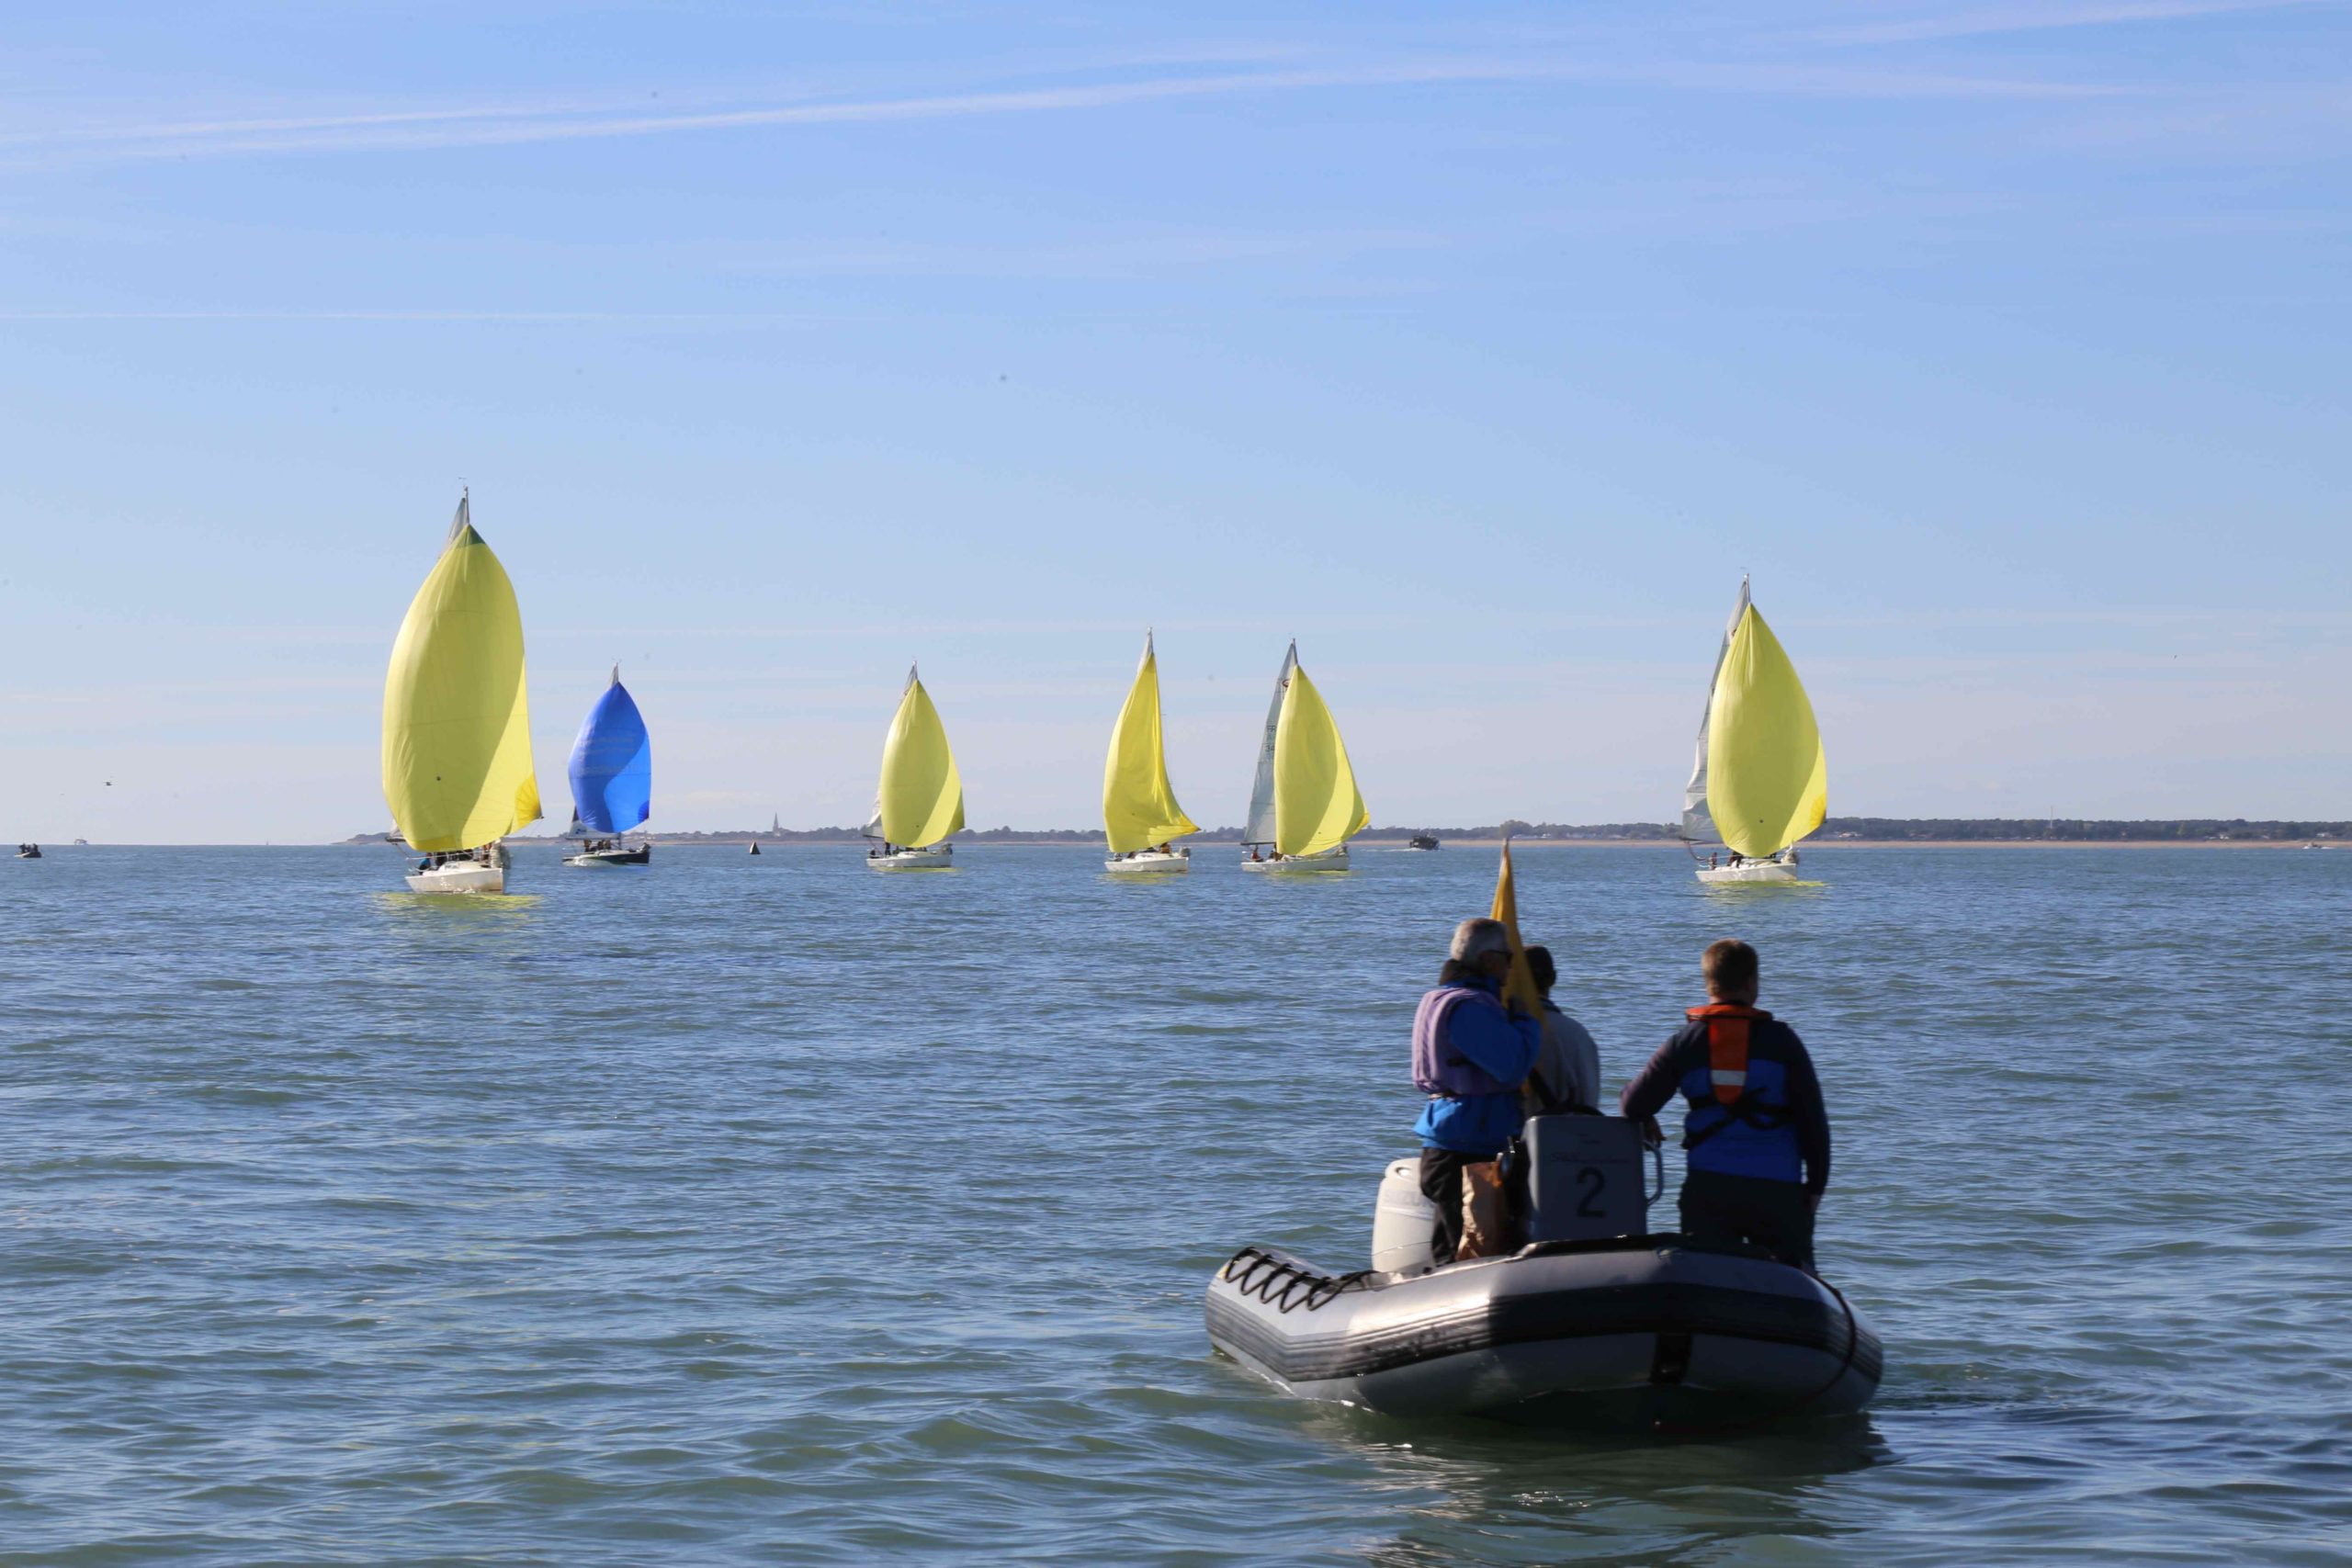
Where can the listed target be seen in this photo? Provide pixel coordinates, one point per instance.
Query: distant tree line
(2075, 830)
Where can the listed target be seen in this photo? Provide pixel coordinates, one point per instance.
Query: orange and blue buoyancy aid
(1739, 1122)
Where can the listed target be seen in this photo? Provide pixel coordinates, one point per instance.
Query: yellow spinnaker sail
(1315, 803)
(1139, 805)
(457, 730)
(922, 795)
(1768, 782)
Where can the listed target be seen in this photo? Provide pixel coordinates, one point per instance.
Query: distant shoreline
(743, 841)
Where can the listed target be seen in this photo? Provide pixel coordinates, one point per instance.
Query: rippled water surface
(774, 1212)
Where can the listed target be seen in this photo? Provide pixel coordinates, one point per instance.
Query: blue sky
(1480, 347)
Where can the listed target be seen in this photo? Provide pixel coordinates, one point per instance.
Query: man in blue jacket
(1471, 1054)
(1757, 1135)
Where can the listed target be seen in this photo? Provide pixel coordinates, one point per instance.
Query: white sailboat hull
(1145, 861)
(611, 859)
(1781, 867)
(1333, 859)
(932, 857)
(459, 877)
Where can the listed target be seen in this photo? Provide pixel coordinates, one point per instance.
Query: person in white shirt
(1568, 1069)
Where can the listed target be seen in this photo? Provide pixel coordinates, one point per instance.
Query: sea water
(768, 1211)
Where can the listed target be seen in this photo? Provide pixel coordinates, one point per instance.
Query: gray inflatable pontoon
(1600, 1328)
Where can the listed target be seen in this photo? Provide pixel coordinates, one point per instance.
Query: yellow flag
(457, 730)
(1518, 987)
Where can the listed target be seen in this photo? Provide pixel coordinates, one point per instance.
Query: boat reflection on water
(1498, 1494)
(508, 911)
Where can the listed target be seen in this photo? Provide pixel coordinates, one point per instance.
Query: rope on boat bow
(1284, 1283)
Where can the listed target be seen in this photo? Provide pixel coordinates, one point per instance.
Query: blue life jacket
(1739, 1122)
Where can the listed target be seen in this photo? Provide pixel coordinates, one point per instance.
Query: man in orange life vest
(1757, 1135)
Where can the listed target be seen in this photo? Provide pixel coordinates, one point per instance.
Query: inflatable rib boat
(1602, 1328)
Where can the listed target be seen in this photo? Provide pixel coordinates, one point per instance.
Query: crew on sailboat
(1472, 1052)
(1757, 1137)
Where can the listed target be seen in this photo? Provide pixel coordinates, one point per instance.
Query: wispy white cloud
(2037, 18)
(557, 317)
(506, 125)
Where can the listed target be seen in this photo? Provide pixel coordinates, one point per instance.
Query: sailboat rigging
(1759, 782)
(612, 780)
(1140, 816)
(1304, 805)
(457, 746)
(919, 804)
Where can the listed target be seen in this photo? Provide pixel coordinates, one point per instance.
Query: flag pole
(1519, 987)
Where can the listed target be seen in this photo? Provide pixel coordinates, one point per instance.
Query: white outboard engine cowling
(1405, 1223)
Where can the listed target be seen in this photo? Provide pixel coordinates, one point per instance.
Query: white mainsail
(1698, 824)
(1260, 828)
(873, 829)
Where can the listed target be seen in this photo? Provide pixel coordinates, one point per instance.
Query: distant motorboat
(919, 805)
(612, 780)
(1140, 816)
(1304, 805)
(84, 843)
(1422, 841)
(1760, 780)
(28, 852)
(457, 763)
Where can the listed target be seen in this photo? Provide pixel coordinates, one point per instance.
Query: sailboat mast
(1261, 827)
(1698, 822)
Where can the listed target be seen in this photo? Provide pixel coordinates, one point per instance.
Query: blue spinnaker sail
(612, 765)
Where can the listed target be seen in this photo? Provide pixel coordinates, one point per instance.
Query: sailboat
(920, 803)
(1140, 816)
(1304, 805)
(612, 780)
(1761, 781)
(458, 771)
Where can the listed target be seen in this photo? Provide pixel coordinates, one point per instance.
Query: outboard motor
(1584, 1178)
(1584, 1183)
